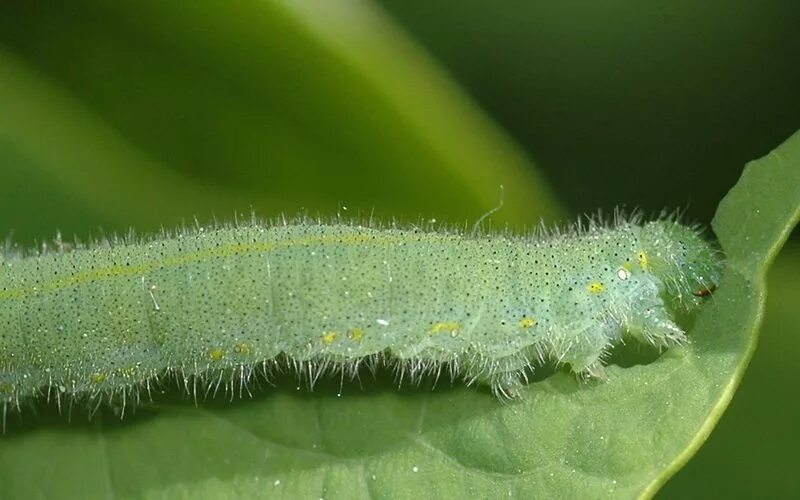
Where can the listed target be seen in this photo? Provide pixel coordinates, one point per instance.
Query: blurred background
(147, 114)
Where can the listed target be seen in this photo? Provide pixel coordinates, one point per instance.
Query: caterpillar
(216, 306)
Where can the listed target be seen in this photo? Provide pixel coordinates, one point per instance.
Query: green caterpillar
(212, 306)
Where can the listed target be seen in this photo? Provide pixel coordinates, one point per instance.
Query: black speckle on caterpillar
(212, 307)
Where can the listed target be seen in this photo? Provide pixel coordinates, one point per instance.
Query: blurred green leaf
(146, 113)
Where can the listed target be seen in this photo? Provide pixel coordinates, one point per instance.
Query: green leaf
(761, 422)
(752, 223)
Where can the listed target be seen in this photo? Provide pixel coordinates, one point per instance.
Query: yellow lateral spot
(445, 326)
(643, 261)
(244, 348)
(99, 377)
(355, 334)
(216, 353)
(6, 388)
(330, 337)
(596, 287)
(527, 322)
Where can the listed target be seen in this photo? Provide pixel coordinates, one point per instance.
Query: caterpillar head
(688, 266)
